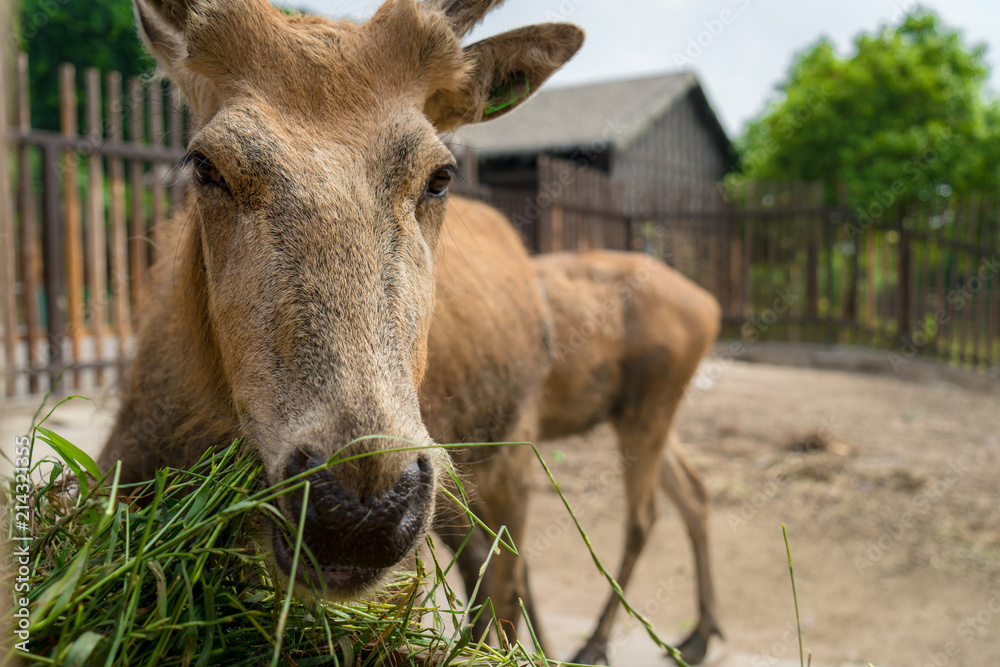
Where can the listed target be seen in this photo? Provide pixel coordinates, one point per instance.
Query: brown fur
(630, 333)
(627, 334)
(296, 288)
(488, 357)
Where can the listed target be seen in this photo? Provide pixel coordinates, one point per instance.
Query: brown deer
(629, 335)
(488, 355)
(294, 297)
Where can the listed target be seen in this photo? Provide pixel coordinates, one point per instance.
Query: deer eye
(437, 184)
(206, 172)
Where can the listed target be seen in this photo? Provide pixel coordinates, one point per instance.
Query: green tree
(87, 33)
(904, 119)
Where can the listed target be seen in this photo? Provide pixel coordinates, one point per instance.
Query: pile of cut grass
(176, 579)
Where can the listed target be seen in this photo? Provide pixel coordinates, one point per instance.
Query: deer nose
(374, 532)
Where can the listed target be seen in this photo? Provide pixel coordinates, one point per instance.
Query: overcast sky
(738, 60)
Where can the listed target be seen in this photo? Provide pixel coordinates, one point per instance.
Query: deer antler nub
(465, 14)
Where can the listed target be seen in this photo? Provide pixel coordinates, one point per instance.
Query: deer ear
(162, 24)
(165, 26)
(505, 70)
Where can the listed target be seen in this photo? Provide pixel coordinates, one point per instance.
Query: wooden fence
(785, 267)
(83, 228)
(79, 217)
(571, 208)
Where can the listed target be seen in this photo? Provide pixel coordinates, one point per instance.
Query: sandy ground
(894, 523)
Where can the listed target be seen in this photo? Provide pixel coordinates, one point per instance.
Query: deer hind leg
(641, 447)
(683, 484)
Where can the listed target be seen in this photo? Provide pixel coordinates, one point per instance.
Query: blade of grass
(791, 573)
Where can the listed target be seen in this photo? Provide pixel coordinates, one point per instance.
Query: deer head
(319, 193)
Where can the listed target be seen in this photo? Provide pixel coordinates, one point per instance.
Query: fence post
(71, 201)
(850, 295)
(814, 229)
(53, 263)
(31, 252)
(903, 279)
(120, 281)
(9, 275)
(96, 232)
(137, 223)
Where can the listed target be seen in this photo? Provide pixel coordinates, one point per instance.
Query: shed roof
(567, 118)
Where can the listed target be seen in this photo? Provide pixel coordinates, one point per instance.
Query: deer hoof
(694, 648)
(592, 654)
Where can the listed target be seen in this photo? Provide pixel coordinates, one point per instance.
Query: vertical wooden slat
(994, 307)
(849, 310)
(918, 254)
(991, 245)
(797, 233)
(735, 266)
(969, 338)
(952, 276)
(73, 223)
(138, 256)
(545, 235)
(827, 241)
(31, 252)
(813, 230)
(97, 266)
(53, 264)
(175, 135)
(871, 236)
(154, 101)
(8, 275)
(773, 244)
(940, 288)
(120, 318)
(903, 279)
(748, 304)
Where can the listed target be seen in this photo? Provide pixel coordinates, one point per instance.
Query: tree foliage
(87, 33)
(904, 119)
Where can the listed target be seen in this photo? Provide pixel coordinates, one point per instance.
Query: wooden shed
(656, 136)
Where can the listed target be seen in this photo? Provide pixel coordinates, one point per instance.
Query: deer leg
(505, 495)
(683, 484)
(640, 487)
(499, 489)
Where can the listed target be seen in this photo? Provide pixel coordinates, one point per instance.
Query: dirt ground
(892, 511)
(893, 515)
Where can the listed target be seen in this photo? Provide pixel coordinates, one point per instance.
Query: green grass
(177, 579)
